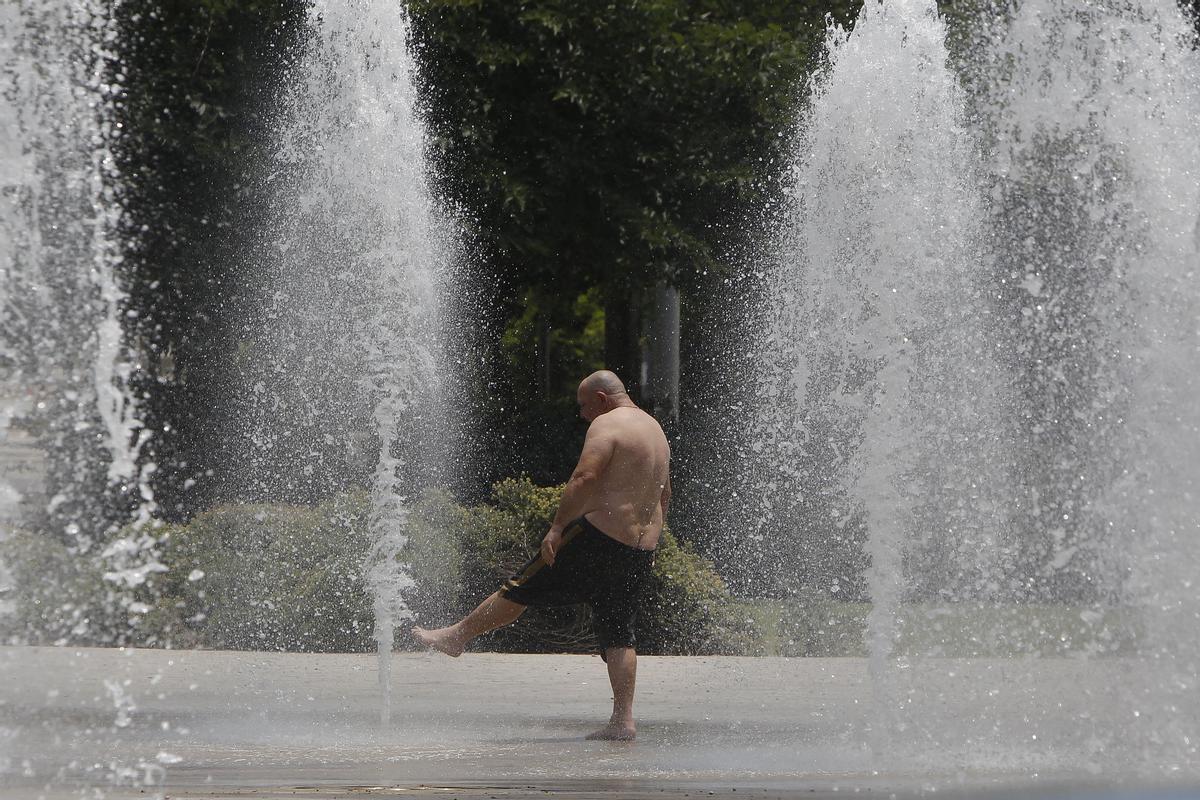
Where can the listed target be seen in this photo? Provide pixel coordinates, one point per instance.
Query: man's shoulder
(624, 415)
(631, 421)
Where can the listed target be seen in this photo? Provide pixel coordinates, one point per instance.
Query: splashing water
(354, 295)
(67, 371)
(878, 280)
(18, 177)
(1092, 117)
(983, 349)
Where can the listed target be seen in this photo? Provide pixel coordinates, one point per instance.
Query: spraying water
(67, 371)
(353, 294)
(986, 342)
(1094, 112)
(18, 177)
(882, 350)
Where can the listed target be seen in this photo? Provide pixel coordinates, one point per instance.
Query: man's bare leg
(494, 612)
(622, 674)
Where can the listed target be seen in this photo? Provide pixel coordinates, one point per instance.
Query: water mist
(350, 327)
(983, 353)
(68, 370)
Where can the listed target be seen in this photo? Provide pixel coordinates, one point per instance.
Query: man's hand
(550, 545)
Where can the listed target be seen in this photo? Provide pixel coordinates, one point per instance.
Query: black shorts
(589, 567)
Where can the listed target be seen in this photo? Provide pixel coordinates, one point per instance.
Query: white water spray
(65, 364)
(359, 250)
(999, 325)
(878, 324)
(65, 357)
(1093, 112)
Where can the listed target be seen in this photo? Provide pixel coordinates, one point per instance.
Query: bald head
(601, 392)
(603, 381)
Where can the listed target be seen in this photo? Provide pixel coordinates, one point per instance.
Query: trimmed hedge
(238, 577)
(271, 577)
(59, 595)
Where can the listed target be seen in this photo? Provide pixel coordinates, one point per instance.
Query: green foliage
(599, 141)
(496, 540)
(689, 610)
(595, 148)
(271, 578)
(814, 627)
(551, 344)
(198, 84)
(434, 554)
(291, 578)
(592, 148)
(238, 577)
(276, 577)
(60, 595)
(823, 628)
(548, 346)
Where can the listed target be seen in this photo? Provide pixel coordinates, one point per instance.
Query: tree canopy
(604, 142)
(591, 149)
(597, 148)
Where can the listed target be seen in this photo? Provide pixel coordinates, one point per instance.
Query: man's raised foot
(441, 639)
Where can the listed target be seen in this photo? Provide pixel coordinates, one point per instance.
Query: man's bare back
(622, 483)
(627, 500)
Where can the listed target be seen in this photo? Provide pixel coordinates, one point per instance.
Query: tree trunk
(622, 348)
(661, 392)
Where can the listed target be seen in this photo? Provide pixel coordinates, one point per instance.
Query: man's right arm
(598, 448)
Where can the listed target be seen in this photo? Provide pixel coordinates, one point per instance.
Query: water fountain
(70, 382)
(979, 369)
(349, 268)
(67, 369)
(882, 294)
(985, 301)
(1114, 251)
(354, 271)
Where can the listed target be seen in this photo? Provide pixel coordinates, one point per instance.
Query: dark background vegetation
(590, 150)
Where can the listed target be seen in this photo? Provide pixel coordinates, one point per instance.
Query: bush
(812, 626)
(60, 595)
(275, 577)
(291, 578)
(259, 577)
(263, 577)
(689, 610)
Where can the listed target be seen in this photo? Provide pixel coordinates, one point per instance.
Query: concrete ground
(197, 724)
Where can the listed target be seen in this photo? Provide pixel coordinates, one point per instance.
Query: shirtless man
(601, 545)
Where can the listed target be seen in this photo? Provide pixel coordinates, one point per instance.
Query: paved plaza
(195, 724)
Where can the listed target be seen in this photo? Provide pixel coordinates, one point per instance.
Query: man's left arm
(597, 452)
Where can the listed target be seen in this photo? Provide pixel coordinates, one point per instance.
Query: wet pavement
(80, 722)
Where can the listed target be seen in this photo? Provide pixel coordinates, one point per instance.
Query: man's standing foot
(442, 639)
(615, 732)
(622, 674)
